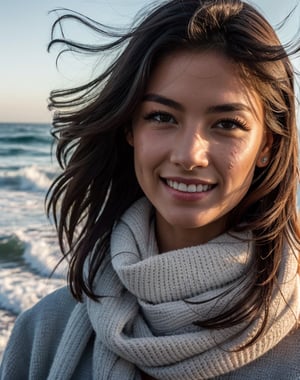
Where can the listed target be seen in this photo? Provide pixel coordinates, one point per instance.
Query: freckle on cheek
(230, 165)
(232, 160)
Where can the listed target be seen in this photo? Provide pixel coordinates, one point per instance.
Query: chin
(187, 223)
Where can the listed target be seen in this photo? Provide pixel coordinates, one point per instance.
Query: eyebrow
(219, 108)
(163, 100)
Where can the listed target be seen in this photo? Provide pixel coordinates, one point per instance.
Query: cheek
(149, 148)
(242, 159)
(233, 159)
(144, 154)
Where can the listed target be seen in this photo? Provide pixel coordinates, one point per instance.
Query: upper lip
(189, 181)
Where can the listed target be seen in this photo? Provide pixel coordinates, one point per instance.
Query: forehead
(201, 64)
(209, 75)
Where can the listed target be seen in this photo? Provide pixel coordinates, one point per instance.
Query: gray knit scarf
(144, 322)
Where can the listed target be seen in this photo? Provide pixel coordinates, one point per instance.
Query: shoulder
(52, 311)
(36, 334)
(60, 302)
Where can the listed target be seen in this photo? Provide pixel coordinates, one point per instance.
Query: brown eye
(160, 117)
(231, 124)
(227, 125)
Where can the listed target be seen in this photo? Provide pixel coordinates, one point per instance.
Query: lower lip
(185, 196)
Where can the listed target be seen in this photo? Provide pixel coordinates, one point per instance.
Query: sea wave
(23, 150)
(20, 289)
(29, 251)
(11, 249)
(24, 129)
(30, 178)
(28, 139)
(41, 252)
(28, 258)
(28, 267)
(34, 248)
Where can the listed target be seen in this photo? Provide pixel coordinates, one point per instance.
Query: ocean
(28, 246)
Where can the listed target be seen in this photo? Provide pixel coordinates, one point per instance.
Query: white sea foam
(34, 179)
(26, 280)
(20, 209)
(28, 244)
(24, 283)
(41, 251)
(19, 290)
(29, 178)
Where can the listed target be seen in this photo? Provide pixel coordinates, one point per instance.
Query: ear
(129, 137)
(264, 156)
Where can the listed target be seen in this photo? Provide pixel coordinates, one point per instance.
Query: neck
(170, 238)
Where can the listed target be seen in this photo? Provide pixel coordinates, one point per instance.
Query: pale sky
(28, 72)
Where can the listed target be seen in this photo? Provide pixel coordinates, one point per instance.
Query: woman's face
(197, 135)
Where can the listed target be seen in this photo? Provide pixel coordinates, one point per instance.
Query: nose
(190, 151)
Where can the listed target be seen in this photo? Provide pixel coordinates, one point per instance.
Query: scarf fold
(147, 318)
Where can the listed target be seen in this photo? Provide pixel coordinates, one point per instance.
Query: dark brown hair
(98, 182)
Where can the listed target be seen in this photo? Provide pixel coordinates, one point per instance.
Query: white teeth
(175, 185)
(192, 188)
(188, 188)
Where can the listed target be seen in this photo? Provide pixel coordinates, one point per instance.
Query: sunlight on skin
(197, 137)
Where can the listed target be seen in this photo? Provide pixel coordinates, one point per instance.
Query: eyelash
(242, 124)
(151, 116)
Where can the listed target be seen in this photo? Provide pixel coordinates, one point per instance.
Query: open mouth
(188, 188)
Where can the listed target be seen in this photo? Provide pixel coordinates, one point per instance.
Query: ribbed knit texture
(144, 322)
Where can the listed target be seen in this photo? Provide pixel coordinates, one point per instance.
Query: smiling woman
(197, 136)
(176, 207)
